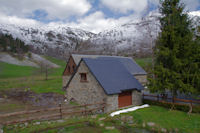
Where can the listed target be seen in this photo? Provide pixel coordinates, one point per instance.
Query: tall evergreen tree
(177, 59)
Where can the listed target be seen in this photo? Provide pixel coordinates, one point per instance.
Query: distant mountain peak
(133, 38)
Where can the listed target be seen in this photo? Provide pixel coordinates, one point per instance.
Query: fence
(50, 113)
(173, 100)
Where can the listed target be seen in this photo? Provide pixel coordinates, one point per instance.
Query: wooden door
(125, 99)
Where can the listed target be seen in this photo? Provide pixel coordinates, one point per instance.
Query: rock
(1, 130)
(176, 130)
(101, 125)
(21, 125)
(128, 119)
(26, 124)
(163, 130)
(110, 128)
(2, 99)
(94, 116)
(151, 124)
(60, 121)
(37, 123)
(143, 125)
(103, 118)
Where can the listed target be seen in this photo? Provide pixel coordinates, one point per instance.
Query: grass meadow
(26, 77)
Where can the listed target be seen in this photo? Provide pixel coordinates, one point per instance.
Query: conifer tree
(177, 59)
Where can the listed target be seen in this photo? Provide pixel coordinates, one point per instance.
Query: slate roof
(128, 62)
(112, 75)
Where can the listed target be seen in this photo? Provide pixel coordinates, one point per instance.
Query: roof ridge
(101, 55)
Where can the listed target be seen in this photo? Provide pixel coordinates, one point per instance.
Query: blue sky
(91, 15)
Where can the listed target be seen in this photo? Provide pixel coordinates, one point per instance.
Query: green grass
(13, 71)
(61, 63)
(56, 61)
(143, 62)
(170, 120)
(24, 77)
(163, 118)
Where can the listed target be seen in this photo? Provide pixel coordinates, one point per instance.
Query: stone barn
(128, 62)
(106, 80)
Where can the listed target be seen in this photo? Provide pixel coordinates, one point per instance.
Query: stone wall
(112, 103)
(87, 92)
(65, 79)
(142, 79)
(136, 98)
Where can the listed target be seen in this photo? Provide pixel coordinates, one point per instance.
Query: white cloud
(12, 13)
(191, 5)
(97, 22)
(155, 2)
(123, 6)
(138, 6)
(61, 9)
(14, 20)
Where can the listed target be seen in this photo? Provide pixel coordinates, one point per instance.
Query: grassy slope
(167, 119)
(163, 118)
(24, 77)
(143, 62)
(12, 71)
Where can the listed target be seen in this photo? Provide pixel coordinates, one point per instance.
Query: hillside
(136, 37)
(20, 77)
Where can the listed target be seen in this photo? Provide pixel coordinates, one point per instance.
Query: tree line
(13, 45)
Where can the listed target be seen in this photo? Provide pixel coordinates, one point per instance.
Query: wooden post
(158, 97)
(173, 99)
(190, 106)
(60, 110)
(85, 109)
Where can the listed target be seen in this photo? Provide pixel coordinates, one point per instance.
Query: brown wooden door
(125, 99)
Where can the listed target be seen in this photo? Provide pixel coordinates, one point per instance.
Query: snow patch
(39, 59)
(128, 110)
(34, 61)
(4, 57)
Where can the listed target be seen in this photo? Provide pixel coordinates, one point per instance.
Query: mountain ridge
(135, 38)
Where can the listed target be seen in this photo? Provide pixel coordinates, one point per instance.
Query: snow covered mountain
(137, 37)
(51, 40)
(134, 38)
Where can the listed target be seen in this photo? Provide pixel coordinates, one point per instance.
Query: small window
(73, 68)
(83, 77)
(69, 69)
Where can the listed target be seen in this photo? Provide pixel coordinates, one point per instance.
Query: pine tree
(9, 44)
(177, 59)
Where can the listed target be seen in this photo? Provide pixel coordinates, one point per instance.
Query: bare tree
(45, 68)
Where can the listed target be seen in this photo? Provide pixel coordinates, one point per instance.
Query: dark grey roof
(112, 75)
(128, 62)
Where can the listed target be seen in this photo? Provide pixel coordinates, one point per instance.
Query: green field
(144, 62)
(168, 119)
(25, 77)
(163, 119)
